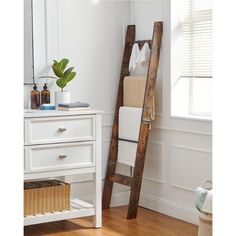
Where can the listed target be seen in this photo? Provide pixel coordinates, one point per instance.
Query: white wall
(92, 36)
(179, 150)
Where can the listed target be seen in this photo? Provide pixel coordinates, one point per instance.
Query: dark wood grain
(121, 179)
(142, 42)
(113, 152)
(152, 71)
(145, 122)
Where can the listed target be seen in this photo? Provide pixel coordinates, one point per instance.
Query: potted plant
(63, 76)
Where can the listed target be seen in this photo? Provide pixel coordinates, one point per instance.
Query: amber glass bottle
(45, 95)
(35, 98)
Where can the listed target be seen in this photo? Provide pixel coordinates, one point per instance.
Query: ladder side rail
(145, 122)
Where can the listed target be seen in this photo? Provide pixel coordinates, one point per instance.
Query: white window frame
(190, 113)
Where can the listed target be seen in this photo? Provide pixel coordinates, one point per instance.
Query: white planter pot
(62, 97)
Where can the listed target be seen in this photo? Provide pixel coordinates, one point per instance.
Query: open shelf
(78, 209)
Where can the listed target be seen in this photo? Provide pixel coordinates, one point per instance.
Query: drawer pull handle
(62, 129)
(62, 156)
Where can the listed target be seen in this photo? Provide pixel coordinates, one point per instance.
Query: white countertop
(30, 113)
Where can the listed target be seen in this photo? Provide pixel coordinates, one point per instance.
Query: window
(191, 58)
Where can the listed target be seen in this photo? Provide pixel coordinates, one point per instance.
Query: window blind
(196, 39)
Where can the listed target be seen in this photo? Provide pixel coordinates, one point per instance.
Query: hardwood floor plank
(148, 223)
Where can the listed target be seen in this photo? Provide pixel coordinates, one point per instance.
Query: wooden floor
(148, 223)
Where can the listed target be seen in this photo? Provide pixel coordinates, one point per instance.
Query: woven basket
(46, 196)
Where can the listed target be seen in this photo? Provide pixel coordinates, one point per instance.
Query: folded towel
(127, 152)
(133, 58)
(208, 203)
(47, 106)
(134, 90)
(204, 199)
(129, 123)
(74, 104)
(139, 71)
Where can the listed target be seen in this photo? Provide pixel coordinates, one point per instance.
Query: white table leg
(97, 177)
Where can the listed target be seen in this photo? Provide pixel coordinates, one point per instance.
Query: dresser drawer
(59, 129)
(60, 156)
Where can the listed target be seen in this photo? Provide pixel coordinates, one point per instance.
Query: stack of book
(75, 106)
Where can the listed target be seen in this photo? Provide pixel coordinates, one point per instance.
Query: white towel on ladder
(144, 55)
(129, 124)
(134, 56)
(139, 60)
(127, 152)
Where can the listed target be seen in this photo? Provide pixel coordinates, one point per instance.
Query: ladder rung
(127, 140)
(121, 179)
(142, 42)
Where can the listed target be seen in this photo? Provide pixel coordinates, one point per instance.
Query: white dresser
(57, 144)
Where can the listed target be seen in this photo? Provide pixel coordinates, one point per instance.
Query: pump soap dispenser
(45, 95)
(35, 98)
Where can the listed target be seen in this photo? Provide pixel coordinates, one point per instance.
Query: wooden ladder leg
(138, 172)
(111, 167)
(113, 152)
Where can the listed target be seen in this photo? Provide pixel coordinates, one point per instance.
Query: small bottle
(45, 95)
(35, 98)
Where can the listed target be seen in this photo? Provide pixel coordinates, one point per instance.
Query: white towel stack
(129, 124)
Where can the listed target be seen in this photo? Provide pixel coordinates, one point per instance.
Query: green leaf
(60, 83)
(57, 71)
(57, 64)
(63, 63)
(68, 71)
(70, 76)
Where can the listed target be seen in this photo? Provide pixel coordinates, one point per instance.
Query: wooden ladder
(133, 181)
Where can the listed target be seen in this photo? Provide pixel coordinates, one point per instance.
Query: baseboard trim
(117, 199)
(120, 199)
(156, 204)
(169, 208)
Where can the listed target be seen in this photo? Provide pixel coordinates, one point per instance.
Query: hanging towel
(144, 55)
(134, 90)
(134, 56)
(129, 123)
(140, 61)
(127, 152)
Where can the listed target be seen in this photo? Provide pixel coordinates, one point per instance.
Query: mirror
(28, 43)
(40, 38)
